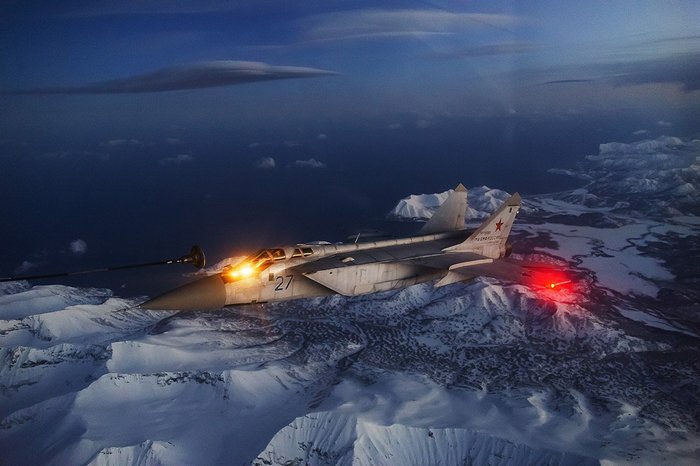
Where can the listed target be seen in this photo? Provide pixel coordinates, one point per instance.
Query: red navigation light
(556, 284)
(548, 278)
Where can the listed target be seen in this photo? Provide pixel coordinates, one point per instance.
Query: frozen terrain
(482, 201)
(604, 371)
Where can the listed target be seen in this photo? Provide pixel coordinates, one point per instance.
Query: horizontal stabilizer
(452, 277)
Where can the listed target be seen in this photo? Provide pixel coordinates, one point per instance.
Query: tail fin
(490, 238)
(450, 215)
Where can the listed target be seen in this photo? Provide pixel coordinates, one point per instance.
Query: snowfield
(603, 371)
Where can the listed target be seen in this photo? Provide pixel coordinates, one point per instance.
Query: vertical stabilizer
(490, 238)
(450, 215)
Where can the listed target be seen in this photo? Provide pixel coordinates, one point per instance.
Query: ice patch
(653, 321)
(613, 254)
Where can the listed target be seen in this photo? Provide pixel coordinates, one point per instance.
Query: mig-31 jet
(443, 250)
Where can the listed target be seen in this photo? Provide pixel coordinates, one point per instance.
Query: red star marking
(499, 225)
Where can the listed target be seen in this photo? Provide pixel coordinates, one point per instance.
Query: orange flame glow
(241, 271)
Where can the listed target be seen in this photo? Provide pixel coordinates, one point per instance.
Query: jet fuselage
(443, 250)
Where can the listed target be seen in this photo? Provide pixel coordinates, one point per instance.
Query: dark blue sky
(426, 95)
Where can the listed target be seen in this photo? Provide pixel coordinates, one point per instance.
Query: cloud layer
(177, 160)
(191, 76)
(265, 162)
(310, 163)
(388, 23)
(680, 69)
(78, 247)
(485, 50)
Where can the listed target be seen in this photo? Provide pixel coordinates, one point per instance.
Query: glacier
(604, 371)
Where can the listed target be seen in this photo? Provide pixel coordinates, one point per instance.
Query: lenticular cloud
(191, 76)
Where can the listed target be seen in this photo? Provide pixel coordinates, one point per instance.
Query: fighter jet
(443, 250)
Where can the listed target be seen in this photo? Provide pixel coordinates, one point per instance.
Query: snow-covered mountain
(603, 371)
(482, 201)
(657, 177)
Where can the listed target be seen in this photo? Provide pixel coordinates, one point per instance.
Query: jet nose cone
(204, 294)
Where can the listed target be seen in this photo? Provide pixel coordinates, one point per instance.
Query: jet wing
(369, 271)
(444, 261)
(344, 273)
(465, 266)
(406, 252)
(498, 268)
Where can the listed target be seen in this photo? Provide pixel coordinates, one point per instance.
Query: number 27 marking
(279, 282)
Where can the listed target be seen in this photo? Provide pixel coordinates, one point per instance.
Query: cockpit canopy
(267, 256)
(302, 252)
(260, 261)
